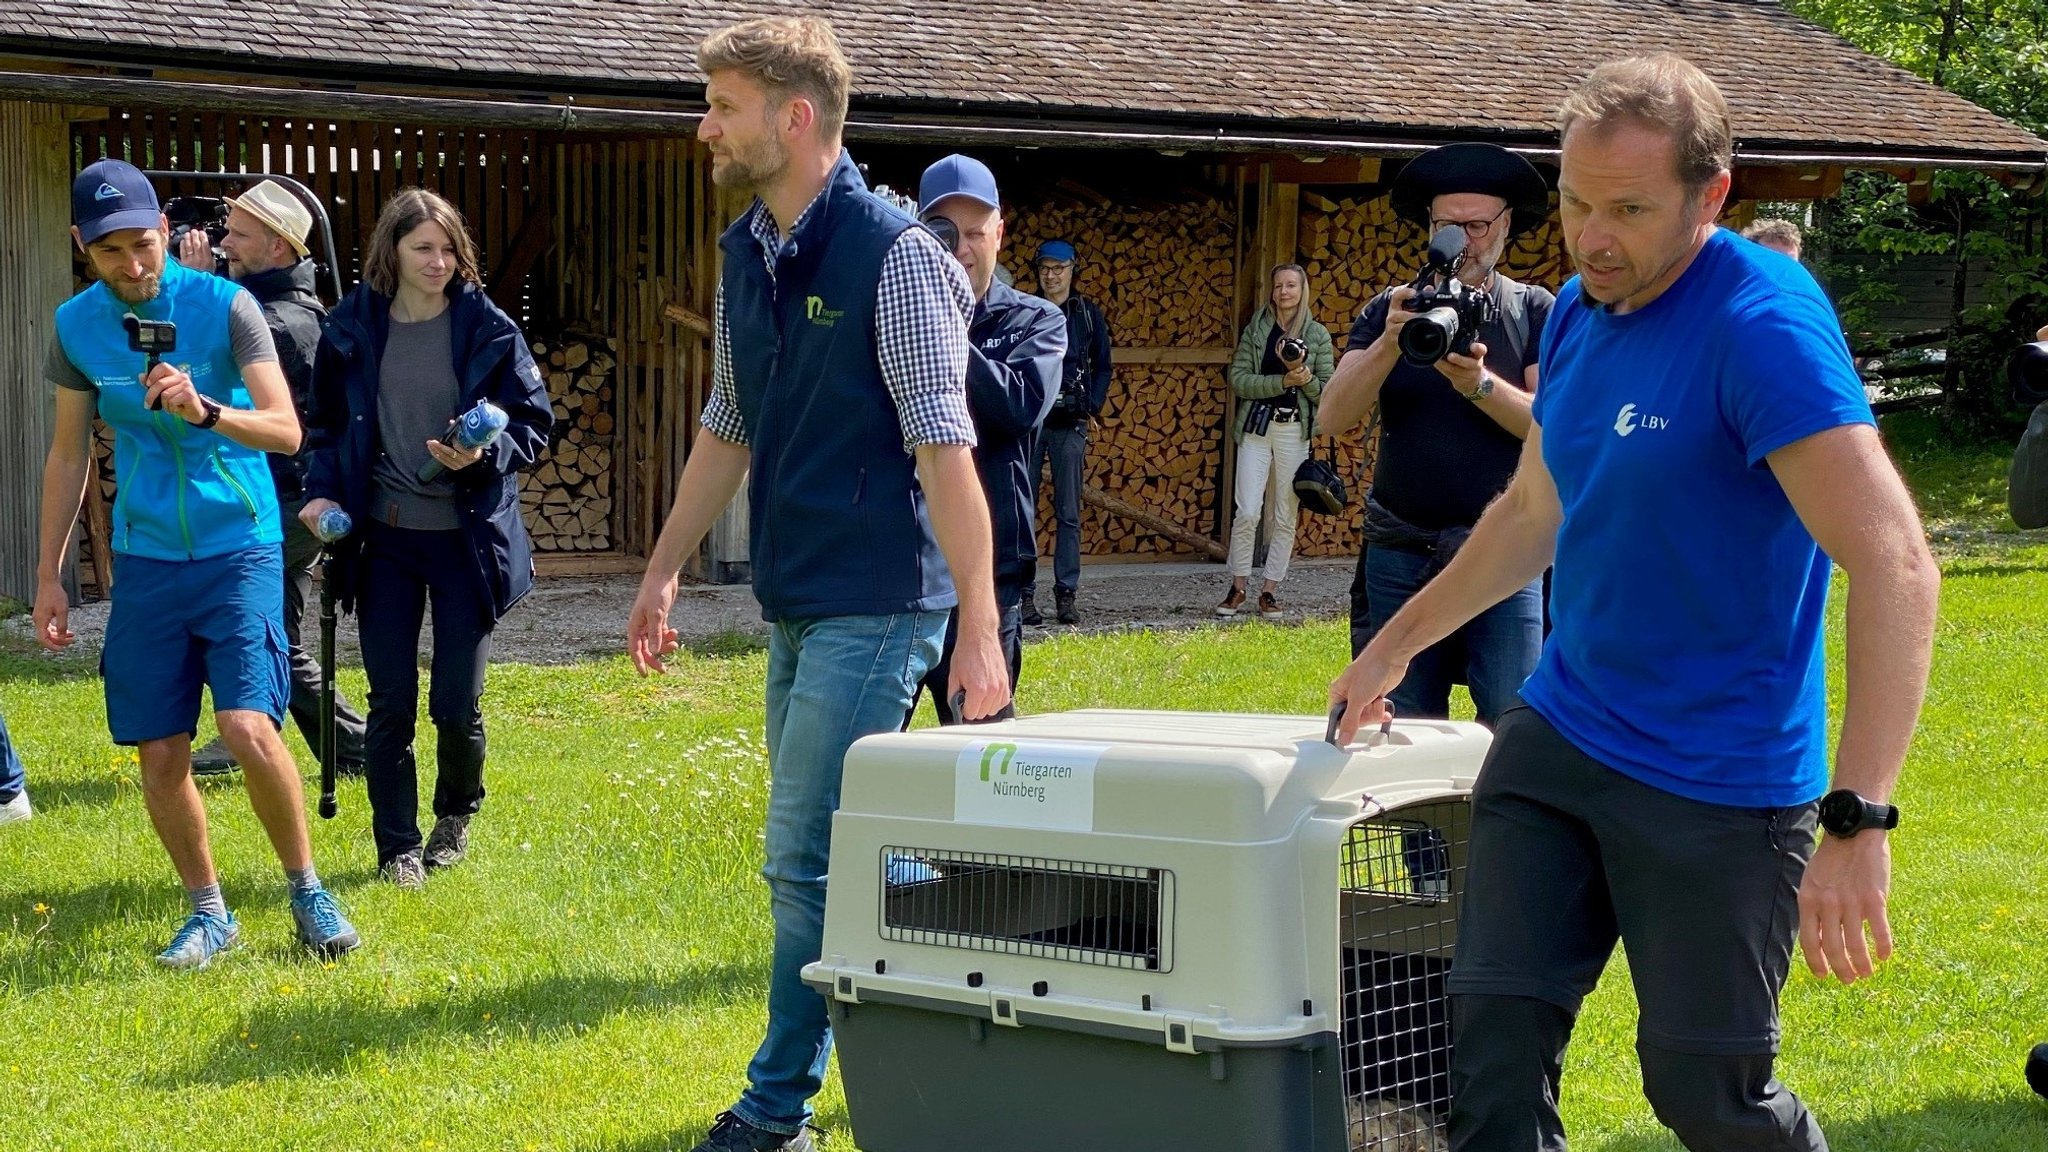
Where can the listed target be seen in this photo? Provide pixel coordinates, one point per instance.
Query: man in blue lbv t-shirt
(1701, 448)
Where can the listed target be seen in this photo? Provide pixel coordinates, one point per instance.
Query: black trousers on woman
(403, 571)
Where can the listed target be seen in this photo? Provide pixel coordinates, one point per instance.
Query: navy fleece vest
(838, 524)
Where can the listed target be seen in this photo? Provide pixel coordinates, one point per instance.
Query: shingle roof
(1326, 67)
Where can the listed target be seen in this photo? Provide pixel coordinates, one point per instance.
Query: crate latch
(1180, 1034)
(845, 987)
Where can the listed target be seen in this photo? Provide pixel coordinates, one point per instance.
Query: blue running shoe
(322, 927)
(201, 939)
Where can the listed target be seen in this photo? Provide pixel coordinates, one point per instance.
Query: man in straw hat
(266, 253)
(1450, 432)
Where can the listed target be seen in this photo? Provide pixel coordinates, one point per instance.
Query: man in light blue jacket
(180, 364)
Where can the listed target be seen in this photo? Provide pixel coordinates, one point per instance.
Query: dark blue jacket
(1015, 346)
(292, 309)
(1084, 377)
(837, 521)
(491, 362)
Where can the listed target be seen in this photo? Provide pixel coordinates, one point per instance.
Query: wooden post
(35, 210)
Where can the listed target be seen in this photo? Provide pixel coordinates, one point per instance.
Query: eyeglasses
(1473, 228)
(1045, 266)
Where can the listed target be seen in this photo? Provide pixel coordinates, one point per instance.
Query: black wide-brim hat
(1487, 169)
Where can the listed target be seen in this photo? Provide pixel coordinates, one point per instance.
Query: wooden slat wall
(35, 276)
(638, 231)
(353, 167)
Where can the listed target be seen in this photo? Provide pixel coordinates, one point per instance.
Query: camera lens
(1426, 338)
(2028, 373)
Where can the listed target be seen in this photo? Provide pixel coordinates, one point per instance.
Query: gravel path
(567, 619)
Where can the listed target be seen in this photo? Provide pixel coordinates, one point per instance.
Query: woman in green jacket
(1283, 360)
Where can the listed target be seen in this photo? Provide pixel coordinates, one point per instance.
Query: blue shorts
(179, 625)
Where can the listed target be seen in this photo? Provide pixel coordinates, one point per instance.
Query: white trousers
(1265, 483)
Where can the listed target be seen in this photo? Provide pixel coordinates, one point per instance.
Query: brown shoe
(1270, 607)
(1232, 602)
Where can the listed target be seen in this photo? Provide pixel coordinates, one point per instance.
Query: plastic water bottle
(332, 525)
(475, 429)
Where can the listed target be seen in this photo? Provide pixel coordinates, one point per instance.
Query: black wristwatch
(1844, 813)
(213, 408)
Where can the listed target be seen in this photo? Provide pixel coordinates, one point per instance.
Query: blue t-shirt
(1688, 598)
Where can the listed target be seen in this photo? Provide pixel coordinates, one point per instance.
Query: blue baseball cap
(111, 195)
(957, 175)
(1056, 250)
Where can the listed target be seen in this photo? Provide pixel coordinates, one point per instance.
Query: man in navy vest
(198, 582)
(1700, 449)
(1016, 344)
(839, 358)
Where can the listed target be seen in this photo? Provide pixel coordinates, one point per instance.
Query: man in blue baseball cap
(180, 364)
(1084, 385)
(1015, 346)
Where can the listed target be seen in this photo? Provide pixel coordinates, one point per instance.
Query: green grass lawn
(593, 978)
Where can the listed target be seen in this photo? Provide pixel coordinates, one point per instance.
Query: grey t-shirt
(248, 333)
(417, 395)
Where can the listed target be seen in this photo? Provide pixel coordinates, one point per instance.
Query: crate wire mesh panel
(1112, 915)
(1399, 876)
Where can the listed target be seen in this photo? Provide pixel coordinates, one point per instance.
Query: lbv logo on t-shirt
(1627, 421)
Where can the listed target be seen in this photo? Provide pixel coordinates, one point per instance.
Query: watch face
(1841, 812)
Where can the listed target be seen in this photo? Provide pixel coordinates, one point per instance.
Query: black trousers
(301, 549)
(403, 570)
(1567, 857)
(1012, 634)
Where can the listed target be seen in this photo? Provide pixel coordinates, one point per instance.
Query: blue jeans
(12, 778)
(830, 682)
(1068, 449)
(1492, 654)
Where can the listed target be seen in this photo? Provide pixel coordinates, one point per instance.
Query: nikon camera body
(1449, 311)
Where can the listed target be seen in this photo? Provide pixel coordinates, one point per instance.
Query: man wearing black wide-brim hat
(1451, 432)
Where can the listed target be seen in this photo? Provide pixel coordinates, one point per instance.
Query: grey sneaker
(213, 760)
(405, 871)
(448, 843)
(199, 940)
(17, 810)
(729, 1133)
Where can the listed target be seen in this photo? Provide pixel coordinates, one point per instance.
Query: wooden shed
(1185, 147)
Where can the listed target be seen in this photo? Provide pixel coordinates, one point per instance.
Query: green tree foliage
(1995, 54)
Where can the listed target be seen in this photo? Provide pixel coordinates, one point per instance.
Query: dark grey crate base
(921, 1081)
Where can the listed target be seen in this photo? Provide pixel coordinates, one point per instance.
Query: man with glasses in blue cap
(1015, 347)
(1450, 432)
(1084, 386)
(180, 364)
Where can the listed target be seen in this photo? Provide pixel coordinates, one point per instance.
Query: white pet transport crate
(1139, 931)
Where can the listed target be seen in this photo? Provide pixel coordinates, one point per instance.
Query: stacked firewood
(568, 495)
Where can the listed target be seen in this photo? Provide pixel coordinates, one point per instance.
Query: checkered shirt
(922, 306)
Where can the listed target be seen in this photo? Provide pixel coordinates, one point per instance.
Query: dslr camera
(208, 214)
(1292, 350)
(1450, 312)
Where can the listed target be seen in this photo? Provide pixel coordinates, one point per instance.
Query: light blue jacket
(183, 492)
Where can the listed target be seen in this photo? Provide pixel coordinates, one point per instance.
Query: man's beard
(1476, 271)
(752, 170)
(141, 292)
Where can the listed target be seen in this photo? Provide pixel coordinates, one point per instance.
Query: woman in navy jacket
(414, 346)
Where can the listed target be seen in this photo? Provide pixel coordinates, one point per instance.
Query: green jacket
(1250, 384)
